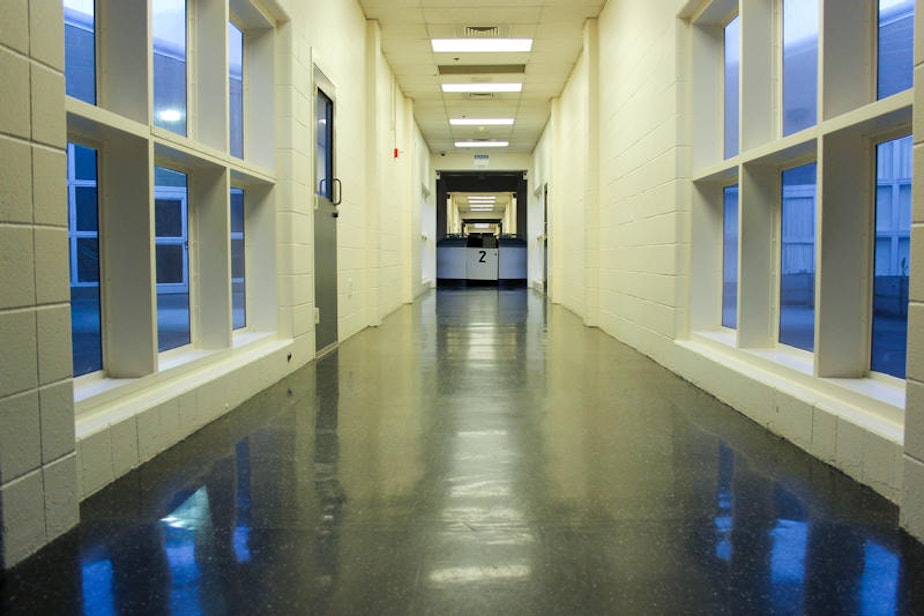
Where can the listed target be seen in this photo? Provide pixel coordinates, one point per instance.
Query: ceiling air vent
(482, 31)
(481, 96)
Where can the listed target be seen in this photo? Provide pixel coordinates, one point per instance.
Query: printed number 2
(483, 255)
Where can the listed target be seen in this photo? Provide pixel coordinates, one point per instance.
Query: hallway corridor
(479, 453)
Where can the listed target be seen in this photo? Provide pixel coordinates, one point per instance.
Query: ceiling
(556, 27)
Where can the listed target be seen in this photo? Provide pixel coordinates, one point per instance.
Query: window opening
(800, 64)
(236, 89)
(80, 49)
(892, 257)
(171, 228)
(896, 46)
(83, 234)
(169, 32)
(730, 258)
(797, 258)
(732, 80)
(238, 287)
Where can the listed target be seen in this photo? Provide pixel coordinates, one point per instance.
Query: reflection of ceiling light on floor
(170, 115)
(468, 575)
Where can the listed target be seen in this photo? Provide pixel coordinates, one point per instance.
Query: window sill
(95, 394)
(875, 401)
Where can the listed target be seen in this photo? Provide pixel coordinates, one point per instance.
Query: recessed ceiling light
(482, 88)
(482, 144)
(481, 121)
(479, 45)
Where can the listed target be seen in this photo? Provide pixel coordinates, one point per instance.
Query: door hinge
(317, 316)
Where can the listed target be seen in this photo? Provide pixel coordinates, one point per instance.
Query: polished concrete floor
(479, 453)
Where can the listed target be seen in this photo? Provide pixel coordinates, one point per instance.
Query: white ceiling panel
(555, 25)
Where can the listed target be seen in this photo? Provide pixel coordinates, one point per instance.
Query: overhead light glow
(482, 45)
(170, 115)
(482, 198)
(481, 121)
(482, 88)
(482, 144)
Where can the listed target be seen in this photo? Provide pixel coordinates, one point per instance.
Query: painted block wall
(38, 464)
(48, 458)
(913, 481)
(644, 219)
(568, 218)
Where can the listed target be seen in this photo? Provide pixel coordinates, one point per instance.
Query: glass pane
(88, 259)
(797, 258)
(87, 342)
(892, 262)
(896, 46)
(85, 205)
(80, 50)
(84, 163)
(732, 72)
(800, 64)
(236, 82)
(730, 258)
(170, 269)
(172, 264)
(169, 31)
(168, 217)
(325, 155)
(238, 290)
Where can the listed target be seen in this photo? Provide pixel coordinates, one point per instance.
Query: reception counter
(481, 258)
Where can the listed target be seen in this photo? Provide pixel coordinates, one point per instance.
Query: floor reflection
(480, 452)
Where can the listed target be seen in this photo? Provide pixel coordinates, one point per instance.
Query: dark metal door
(327, 189)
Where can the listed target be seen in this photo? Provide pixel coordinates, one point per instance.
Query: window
(730, 257)
(892, 257)
(238, 294)
(896, 46)
(169, 32)
(732, 80)
(236, 89)
(83, 225)
(172, 257)
(80, 50)
(800, 65)
(797, 258)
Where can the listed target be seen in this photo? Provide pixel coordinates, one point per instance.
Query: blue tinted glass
(80, 50)
(238, 296)
(169, 31)
(325, 154)
(892, 257)
(730, 258)
(896, 46)
(84, 256)
(236, 83)
(797, 258)
(172, 258)
(800, 65)
(732, 76)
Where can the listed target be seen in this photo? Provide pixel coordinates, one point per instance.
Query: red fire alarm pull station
(396, 152)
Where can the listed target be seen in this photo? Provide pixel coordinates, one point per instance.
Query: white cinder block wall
(55, 451)
(913, 472)
(38, 476)
(643, 209)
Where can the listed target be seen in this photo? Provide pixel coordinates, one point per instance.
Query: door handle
(338, 192)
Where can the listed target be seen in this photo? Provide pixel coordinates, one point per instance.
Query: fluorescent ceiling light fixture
(482, 144)
(481, 121)
(482, 198)
(482, 45)
(482, 88)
